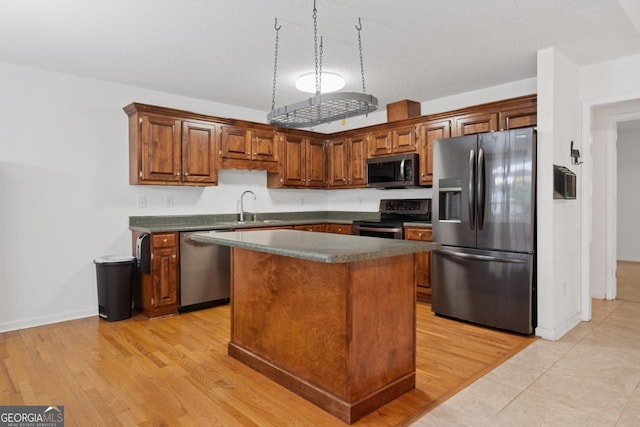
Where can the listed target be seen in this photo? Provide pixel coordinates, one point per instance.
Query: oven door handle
(380, 229)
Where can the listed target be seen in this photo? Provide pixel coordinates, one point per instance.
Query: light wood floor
(175, 371)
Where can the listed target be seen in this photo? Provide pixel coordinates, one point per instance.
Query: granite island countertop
(319, 247)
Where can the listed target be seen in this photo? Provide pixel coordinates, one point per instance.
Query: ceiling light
(331, 82)
(323, 107)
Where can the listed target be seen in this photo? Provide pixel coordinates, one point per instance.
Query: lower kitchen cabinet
(156, 293)
(422, 262)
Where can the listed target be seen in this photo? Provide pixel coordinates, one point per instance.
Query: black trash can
(115, 286)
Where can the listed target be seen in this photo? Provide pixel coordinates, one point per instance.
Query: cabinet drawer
(338, 228)
(312, 227)
(165, 240)
(423, 234)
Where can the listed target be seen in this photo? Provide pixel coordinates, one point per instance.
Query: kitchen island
(330, 317)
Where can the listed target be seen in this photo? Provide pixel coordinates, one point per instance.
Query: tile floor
(590, 377)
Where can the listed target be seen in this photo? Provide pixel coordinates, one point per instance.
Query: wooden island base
(341, 335)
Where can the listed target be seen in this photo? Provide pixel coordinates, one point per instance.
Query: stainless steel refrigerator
(484, 217)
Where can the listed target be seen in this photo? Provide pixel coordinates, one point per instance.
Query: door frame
(611, 208)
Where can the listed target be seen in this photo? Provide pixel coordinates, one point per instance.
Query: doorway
(628, 211)
(600, 195)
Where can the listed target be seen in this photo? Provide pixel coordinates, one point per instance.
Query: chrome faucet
(242, 204)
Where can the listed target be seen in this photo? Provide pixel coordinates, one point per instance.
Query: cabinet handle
(177, 173)
(164, 240)
(420, 235)
(174, 257)
(186, 174)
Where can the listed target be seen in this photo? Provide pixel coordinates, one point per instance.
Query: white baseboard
(556, 333)
(47, 320)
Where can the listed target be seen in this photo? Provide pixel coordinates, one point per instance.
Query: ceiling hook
(276, 26)
(359, 26)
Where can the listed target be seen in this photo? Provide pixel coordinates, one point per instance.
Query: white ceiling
(223, 50)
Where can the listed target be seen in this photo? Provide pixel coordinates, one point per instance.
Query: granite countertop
(417, 224)
(319, 247)
(158, 224)
(166, 223)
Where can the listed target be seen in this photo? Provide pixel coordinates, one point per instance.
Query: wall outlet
(169, 202)
(142, 202)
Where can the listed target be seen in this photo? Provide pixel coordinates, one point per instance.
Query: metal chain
(315, 44)
(275, 66)
(359, 27)
(319, 88)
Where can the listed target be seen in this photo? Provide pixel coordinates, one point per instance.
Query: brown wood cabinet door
(357, 161)
(263, 146)
(294, 160)
(429, 132)
(476, 123)
(199, 153)
(404, 139)
(164, 270)
(422, 263)
(160, 149)
(235, 143)
(519, 117)
(316, 164)
(338, 163)
(380, 143)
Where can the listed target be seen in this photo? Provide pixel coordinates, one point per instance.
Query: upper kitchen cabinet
(170, 150)
(243, 148)
(303, 163)
(500, 115)
(347, 157)
(519, 116)
(427, 133)
(472, 123)
(199, 154)
(399, 139)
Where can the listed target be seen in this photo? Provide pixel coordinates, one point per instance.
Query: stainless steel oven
(393, 214)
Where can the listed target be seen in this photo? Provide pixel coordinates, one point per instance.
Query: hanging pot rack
(321, 108)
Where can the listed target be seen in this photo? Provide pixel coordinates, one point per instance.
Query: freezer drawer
(486, 287)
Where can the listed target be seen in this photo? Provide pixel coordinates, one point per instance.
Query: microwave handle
(402, 170)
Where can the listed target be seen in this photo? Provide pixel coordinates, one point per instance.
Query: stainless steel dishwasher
(205, 278)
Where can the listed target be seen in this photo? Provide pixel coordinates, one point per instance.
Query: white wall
(65, 193)
(628, 177)
(558, 222)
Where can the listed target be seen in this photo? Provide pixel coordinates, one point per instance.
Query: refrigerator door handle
(481, 189)
(472, 189)
(479, 257)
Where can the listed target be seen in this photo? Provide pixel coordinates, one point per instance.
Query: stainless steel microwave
(399, 171)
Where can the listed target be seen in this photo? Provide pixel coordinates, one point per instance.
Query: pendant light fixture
(322, 107)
